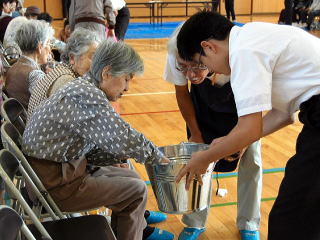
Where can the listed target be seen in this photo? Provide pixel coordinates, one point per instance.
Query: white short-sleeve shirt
(273, 66)
(118, 4)
(171, 74)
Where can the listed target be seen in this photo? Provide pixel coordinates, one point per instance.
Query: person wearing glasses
(210, 112)
(277, 75)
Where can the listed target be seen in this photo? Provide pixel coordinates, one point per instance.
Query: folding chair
(4, 94)
(12, 140)
(3, 58)
(79, 228)
(11, 224)
(13, 112)
(11, 54)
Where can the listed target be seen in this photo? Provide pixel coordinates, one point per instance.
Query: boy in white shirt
(210, 112)
(273, 68)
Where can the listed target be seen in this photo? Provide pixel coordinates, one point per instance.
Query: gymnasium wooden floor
(150, 107)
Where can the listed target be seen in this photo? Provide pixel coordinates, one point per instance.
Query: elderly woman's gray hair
(120, 57)
(13, 26)
(32, 33)
(79, 42)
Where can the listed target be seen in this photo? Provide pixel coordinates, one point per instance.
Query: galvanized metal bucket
(172, 197)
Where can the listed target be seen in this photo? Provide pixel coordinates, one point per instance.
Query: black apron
(216, 115)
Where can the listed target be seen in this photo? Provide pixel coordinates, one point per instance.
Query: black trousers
(288, 5)
(65, 8)
(122, 22)
(215, 5)
(296, 212)
(229, 5)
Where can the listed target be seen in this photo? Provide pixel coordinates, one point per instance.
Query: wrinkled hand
(195, 168)
(121, 165)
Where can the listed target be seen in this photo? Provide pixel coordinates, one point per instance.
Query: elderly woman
(33, 39)
(77, 126)
(76, 61)
(10, 34)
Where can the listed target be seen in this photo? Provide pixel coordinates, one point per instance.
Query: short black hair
(199, 27)
(45, 17)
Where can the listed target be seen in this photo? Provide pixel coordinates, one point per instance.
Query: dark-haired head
(201, 26)
(45, 17)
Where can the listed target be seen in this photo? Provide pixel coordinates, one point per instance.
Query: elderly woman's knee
(139, 186)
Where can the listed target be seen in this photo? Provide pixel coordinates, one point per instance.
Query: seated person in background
(32, 12)
(18, 9)
(7, 7)
(57, 45)
(76, 61)
(65, 32)
(10, 34)
(12, 50)
(33, 39)
(299, 11)
(210, 112)
(312, 12)
(65, 133)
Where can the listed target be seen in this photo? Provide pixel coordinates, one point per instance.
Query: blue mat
(146, 30)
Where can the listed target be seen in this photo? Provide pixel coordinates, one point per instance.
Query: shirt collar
(235, 30)
(3, 14)
(32, 61)
(90, 78)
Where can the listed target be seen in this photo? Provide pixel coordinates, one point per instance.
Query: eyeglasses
(185, 68)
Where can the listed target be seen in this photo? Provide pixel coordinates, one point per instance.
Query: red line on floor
(128, 114)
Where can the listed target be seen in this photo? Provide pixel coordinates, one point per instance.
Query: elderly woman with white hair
(33, 39)
(76, 61)
(77, 128)
(10, 34)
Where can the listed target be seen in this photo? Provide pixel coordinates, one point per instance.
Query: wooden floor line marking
(235, 203)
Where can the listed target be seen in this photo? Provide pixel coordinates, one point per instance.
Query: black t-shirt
(215, 109)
